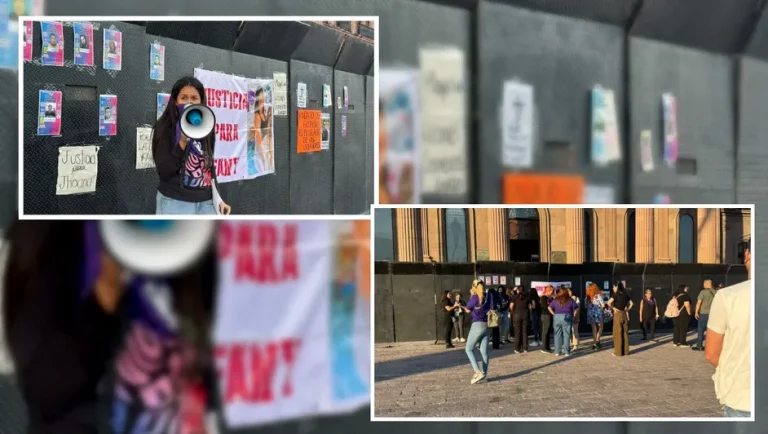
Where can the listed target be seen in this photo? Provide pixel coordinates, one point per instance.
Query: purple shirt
(567, 308)
(479, 312)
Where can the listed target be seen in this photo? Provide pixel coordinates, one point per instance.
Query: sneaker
(462, 340)
(557, 354)
(594, 346)
(544, 351)
(517, 352)
(696, 348)
(525, 351)
(599, 345)
(567, 355)
(454, 339)
(684, 345)
(476, 378)
(449, 346)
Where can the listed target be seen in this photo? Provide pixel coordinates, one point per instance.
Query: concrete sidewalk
(419, 379)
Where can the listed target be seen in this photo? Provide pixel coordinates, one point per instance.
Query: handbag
(493, 316)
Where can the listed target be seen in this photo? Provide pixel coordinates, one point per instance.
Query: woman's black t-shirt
(649, 310)
(521, 304)
(447, 314)
(170, 159)
(620, 300)
(681, 303)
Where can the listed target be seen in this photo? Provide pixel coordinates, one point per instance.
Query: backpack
(673, 309)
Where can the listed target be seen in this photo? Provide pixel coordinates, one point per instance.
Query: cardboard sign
(525, 188)
(309, 135)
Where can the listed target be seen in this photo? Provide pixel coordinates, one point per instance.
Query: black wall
(302, 183)
(407, 295)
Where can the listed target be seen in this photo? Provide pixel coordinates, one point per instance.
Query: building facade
(560, 235)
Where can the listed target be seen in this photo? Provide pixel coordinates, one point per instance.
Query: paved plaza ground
(421, 379)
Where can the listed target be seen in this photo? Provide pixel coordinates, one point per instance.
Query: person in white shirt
(729, 345)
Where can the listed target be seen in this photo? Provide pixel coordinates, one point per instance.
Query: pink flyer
(27, 41)
(49, 113)
(53, 43)
(113, 49)
(108, 115)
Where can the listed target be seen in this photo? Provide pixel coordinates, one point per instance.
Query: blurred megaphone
(157, 247)
(197, 121)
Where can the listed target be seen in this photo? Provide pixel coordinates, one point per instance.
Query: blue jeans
(730, 412)
(703, 320)
(478, 333)
(536, 325)
(505, 326)
(166, 206)
(563, 333)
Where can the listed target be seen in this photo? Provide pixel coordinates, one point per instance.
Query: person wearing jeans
(479, 305)
(535, 316)
(563, 309)
(703, 304)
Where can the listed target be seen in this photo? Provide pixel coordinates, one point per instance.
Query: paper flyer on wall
(113, 50)
(605, 131)
(326, 95)
(49, 113)
(399, 162)
(261, 146)
(325, 135)
(107, 115)
(343, 125)
(162, 103)
(83, 43)
(671, 145)
(27, 47)
(144, 157)
(78, 169)
(443, 137)
(646, 150)
(324, 265)
(280, 94)
(517, 125)
(53, 43)
(157, 62)
(346, 97)
(301, 95)
(338, 102)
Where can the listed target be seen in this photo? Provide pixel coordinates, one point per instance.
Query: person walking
(595, 313)
(729, 344)
(535, 316)
(621, 304)
(703, 305)
(649, 314)
(563, 309)
(521, 310)
(449, 306)
(458, 319)
(576, 319)
(479, 306)
(683, 319)
(546, 319)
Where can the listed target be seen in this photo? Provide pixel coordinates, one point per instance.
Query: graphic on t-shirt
(195, 173)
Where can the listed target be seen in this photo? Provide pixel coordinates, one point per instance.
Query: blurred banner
(541, 286)
(292, 329)
(9, 28)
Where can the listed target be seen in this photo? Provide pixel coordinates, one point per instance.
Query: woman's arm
(641, 311)
(655, 303)
(629, 306)
(551, 311)
(688, 307)
(169, 157)
(610, 303)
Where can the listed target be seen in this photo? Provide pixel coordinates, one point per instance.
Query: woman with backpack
(483, 316)
(679, 309)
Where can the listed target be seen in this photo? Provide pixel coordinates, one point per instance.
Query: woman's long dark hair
(164, 131)
(45, 259)
(619, 287)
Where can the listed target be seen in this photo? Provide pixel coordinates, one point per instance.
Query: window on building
(456, 235)
(631, 236)
(384, 239)
(524, 230)
(686, 248)
(588, 236)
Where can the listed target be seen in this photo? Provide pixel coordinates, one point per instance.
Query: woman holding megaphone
(185, 166)
(72, 317)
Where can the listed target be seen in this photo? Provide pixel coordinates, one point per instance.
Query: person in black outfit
(448, 307)
(649, 314)
(621, 305)
(535, 315)
(496, 331)
(546, 319)
(521, 311)
(62, 335)
(504, 323)
(681, 323)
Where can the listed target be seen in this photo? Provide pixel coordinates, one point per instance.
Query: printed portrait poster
(495, 280)
(326, 95)
(157, 62)
(113, 49)
(323, 265)
(325, 134)
(78, 169)
(107, 115)
(671, 144)
(53, 43)
(162, 103)
(49, 113)
(502, 280)
(517, 125)
(83, 44)
(28, 32)
(261, 143)
(399, 162)
(343, 125)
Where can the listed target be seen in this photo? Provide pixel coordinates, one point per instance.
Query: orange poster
(542, 188)
(308, 132)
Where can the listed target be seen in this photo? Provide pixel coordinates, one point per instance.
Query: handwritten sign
(78, 169)
(308, 131)
(443, 129)
(519, 188)
(280, 98)
(301, 95)
(144, 159)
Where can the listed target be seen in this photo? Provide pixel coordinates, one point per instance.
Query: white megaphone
(157, 247)
(197, 121)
